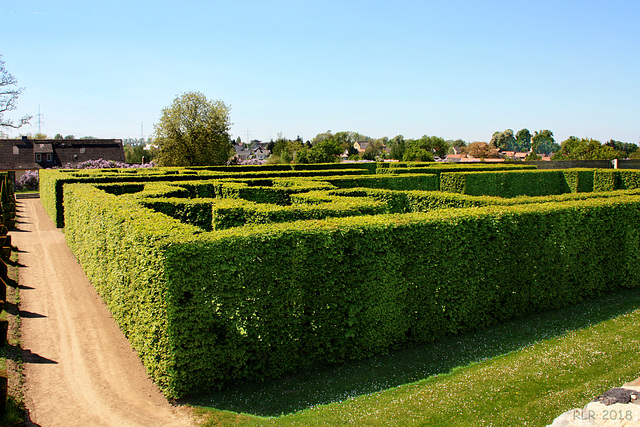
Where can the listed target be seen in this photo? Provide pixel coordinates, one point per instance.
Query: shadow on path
(30, 315)
(29, 357)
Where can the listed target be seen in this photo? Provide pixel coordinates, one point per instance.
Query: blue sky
(454, 69)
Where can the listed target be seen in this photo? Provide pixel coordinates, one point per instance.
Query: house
(455, 158)
(20, 155)
(256, 151)
(260, 153)
(361, 146)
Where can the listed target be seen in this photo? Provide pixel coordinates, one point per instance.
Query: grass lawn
(525, 372)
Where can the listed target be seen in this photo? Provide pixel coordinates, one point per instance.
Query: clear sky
(454, 69)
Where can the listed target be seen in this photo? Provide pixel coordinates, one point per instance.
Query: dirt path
(79, 368)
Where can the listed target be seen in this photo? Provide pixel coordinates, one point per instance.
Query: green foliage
(204, 309)
(523, 140)
(135, 154)
(193, 131)
(504, 141)
(216, 277)
(52, 181)
(397, 146)
(424, 149)
(543, 142)
(586, 149)
(391, 181)
(511, 183)
(414, 153)
(196, 212)
(627, 148)
(579, 180)
(229, 213)
(326, 151)
(616, 179)
(122, 248)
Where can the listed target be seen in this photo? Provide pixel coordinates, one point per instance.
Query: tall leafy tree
(574, 148)
(523, 140)
(414, 153)
(627, 147)
(504, 140)
(543, 142)
(193, 131)
(375, 149)
(397, 146)
(481, 150)
(326, 151)
(134, 154)
(416, 148)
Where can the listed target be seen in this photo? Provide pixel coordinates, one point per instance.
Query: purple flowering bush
(28, 181)
(236, 161)
(105, 164)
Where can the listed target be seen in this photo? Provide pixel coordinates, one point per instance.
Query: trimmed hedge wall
(539, 183)
(616, 179)
(517, 183)
(219, 214)
(438, 167)
(205, 309)
(425, 201)
(52, 181)
(122, 248)
(391, 182)
(7, 208)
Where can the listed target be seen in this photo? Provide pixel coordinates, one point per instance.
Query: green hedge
(205, 309)
(219, 214)
(299, 295)
(391, 182)
(425, 201)
(505, 183)
(122, 248)
(616, 179)
(7, 204)
(52, 181)
(196, 212)
(438, 167)
(579, 180)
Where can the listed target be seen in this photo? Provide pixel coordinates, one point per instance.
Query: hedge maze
(217, 275)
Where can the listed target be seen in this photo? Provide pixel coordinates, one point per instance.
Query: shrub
(28, 181)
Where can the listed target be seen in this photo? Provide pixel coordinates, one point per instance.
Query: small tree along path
(79, 368)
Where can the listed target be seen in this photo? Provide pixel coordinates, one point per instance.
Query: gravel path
(79, 368)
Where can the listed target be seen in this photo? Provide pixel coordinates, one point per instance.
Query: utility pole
(40, 122)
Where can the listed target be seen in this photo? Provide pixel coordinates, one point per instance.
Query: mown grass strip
(525, 372)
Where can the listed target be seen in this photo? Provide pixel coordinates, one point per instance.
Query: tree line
(194, 130)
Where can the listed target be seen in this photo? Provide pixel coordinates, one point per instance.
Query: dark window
(49, 157)
(38, 157)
